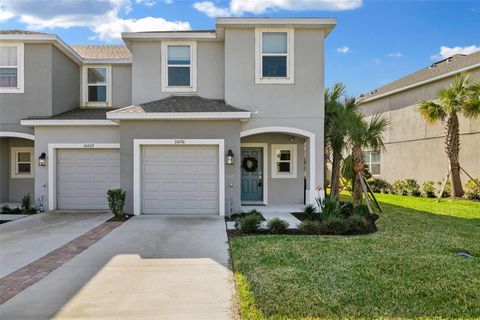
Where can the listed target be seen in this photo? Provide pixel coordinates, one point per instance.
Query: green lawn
(407, 269)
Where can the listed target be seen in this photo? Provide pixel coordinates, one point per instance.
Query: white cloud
(343, 50)
(5, 15)
(395, 55)
(112, 29)
(240, 7)
(168, 1)
(446, 52)
(211, 10)
(101, 17)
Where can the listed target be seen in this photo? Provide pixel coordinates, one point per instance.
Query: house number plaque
(89, 145)
(179, 141)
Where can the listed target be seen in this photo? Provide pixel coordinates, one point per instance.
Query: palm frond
(431, 111)
(374, 135)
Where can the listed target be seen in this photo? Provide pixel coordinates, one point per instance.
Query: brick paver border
(23, 278)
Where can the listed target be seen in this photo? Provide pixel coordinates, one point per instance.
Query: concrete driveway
(148, 268)
(25, 240)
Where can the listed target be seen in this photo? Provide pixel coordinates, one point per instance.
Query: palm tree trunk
(357, 159)
(335, 180)
(452, 147)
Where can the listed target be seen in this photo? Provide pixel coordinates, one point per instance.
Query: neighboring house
(415, 149)
(194, 122)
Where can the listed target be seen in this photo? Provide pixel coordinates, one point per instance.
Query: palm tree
(363, 135)
(461, 96)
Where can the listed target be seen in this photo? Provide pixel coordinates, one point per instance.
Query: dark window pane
(376, 156)
(8, 77)
(178, 76)
(24, 168)
(275, 67)
(97, 75)
(97, 93)
(375, 169)
(283, 167)
(283, 155)
(23, 157)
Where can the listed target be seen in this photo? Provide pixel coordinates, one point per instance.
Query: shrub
(310, 209)
(248, 223)
(347, 208)
(7, 210)
(446, 191)
(334, 225)
(309, 227)
(472, 190)
(361, 210)
(329, 207)
(428, 188)
(116, 201)
(412, 187)
(379, 185)
(399, 187)
(277, 225)
(27, 204)
(357, 224)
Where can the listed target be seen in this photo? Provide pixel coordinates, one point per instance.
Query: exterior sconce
(230, 157)
(42, 160)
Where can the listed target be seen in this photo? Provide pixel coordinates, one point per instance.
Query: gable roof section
(180, 107)
(17, 32)
(440, 69)
(98, 52)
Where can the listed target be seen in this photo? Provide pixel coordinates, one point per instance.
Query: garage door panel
(84, 176)
(180, 179)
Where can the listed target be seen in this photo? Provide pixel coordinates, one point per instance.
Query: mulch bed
(301, 215)
(121, 219)
(235, 216)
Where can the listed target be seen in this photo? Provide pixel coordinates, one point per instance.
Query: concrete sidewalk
(25, 240)
(148, 268)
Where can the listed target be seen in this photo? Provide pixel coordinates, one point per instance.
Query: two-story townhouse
(218, 119)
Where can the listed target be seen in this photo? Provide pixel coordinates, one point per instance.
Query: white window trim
(84, 93)
(21, 72)
(369, 163)
(14, 163)
(293, 160)
(259, 79)
(193, 66)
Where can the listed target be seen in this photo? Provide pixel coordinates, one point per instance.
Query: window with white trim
(284, 161)
(179, 66)
(372, 161)
(11, 68)
(97, 85)
(22, 162)
(274, 56)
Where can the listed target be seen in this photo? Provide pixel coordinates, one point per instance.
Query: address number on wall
(89, 145)
(179, 141)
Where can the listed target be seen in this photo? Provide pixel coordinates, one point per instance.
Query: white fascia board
(169, 35)
(420, 83)
(178, 116)
(58, 122)
(107, 61)
(277, 21)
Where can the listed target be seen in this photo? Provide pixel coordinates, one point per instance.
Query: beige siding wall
(417, 150)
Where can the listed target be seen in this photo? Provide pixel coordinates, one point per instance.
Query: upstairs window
(179, 67)
(11, 68)
(274, 56)
(97, 85)
(372, 161)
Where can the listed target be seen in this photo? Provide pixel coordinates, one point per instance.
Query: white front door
(180, 179)
(84, 176)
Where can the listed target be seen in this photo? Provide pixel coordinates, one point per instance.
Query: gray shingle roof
(21, 32)
(78, 114)
(181, 104)
(102, 51)
(439, 68)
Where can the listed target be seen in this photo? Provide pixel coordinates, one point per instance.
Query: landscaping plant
(248, 223)
(116, 201)
(378, 185)
(277, 226)
(472, 190)
(399, 187)
(428, 188)
(27, 204)
(447, 191)
(310, 209)
(462, 96)
(412, 187)
(309, 226)
(329, 207)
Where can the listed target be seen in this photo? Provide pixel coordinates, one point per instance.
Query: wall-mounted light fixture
(42, 160)
(230, 157)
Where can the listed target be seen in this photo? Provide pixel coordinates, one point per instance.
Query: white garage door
(84, 176)
(180, 179)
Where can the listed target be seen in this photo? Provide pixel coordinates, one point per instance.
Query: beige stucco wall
(417, 150)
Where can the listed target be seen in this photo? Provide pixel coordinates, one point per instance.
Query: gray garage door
(84, 176)
(180, 179)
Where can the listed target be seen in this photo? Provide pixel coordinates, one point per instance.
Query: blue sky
(375, 42)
